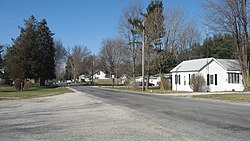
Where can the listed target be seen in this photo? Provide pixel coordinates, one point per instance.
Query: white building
(125, 78)
(219, 74)
(82, 78)
(100, 75)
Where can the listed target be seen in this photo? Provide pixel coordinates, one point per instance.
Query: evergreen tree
(45, 53)
(1, 59)
(32, 54)
(19, 58)
(154, 33)
(218, 46)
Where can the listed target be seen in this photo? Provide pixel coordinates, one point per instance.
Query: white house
(125, 78)
(99, 75)
(82, 78)
(219, 74)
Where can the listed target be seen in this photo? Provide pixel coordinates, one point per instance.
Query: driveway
(97, 114)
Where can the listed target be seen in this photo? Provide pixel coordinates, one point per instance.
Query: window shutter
(189, 78)
(179, 79)
(215, 77)
(208, 79)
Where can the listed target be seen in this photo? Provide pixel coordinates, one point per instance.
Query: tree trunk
(134, 86)
(162, 83)
(42, 82)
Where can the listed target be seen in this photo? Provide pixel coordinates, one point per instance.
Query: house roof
(230, 64)
(192, 65)
(199, 64)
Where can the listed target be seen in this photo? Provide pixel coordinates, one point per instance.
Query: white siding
(212, 69)
(181, 86)
(100, 75)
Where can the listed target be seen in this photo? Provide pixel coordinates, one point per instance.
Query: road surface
(98, 114)
(194, 118)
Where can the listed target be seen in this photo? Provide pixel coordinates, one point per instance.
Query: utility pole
(92, 70)
(143, 57)
(208, 75)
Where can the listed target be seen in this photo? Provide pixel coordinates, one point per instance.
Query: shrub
(28, 84)
(165, 84)
(2, 82)
(133, 85)
(197, 82)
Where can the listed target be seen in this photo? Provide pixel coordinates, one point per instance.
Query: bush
(28, 84)
(133, 85)
(165, 84)
(197, 82)
(2, 82)
(50, 82)
(18, 84)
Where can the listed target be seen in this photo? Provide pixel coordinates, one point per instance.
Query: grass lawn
(230, 97)
(8, 93)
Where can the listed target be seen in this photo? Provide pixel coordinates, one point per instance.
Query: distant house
(139, 79)
(82, 78)
(99, 75)
(125, 78)
(219, 74)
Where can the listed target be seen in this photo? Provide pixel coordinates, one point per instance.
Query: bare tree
(78, 60)
(128, 30)
(60, 58)
(186, 39)
(231, 17)
(174, 22)
(181, 33)
(113, 52)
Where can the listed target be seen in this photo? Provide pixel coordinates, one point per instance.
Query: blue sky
(77, 22)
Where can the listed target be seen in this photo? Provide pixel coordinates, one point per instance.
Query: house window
(184, 80)
(234, 78)
(211, 80)
(177, 79)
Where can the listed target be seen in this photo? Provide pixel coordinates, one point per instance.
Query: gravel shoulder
(77, 116)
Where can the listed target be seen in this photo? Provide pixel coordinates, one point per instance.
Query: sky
(78, 22)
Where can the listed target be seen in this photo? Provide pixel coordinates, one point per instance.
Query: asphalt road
(98, 114)
(192, 119)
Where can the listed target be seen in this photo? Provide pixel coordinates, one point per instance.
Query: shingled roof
(198, 64)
